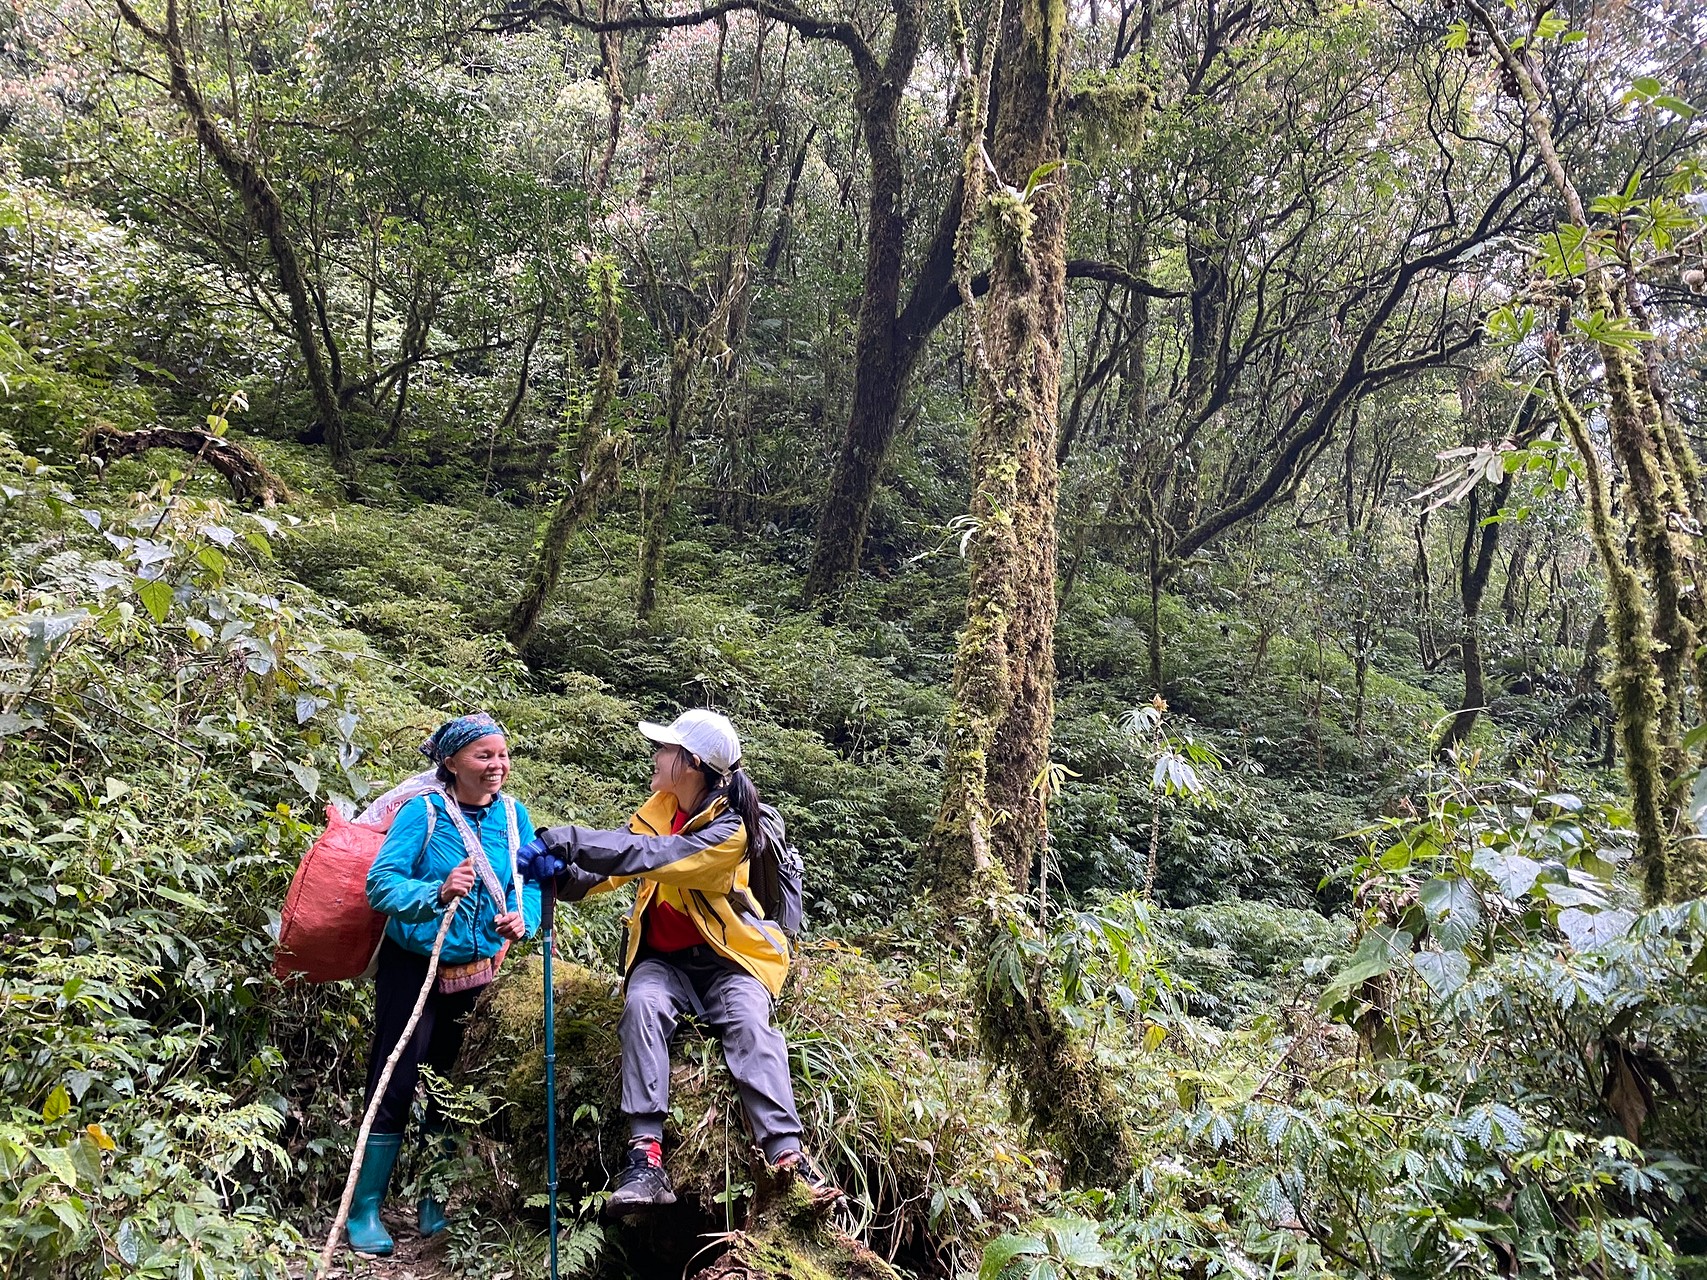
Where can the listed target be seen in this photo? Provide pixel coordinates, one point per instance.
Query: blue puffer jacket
(404, 880)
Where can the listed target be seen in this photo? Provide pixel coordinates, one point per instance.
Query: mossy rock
(708, 1149)
(892, 1096)
(788, 1237)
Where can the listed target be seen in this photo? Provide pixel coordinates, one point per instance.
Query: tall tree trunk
(601, 455)
(1653, 630)
(999, 721)
(1422, 596)
(883, 359)
(266, 216)
(992, 824)
(785, 211)
(524, 379)
(610, 55)
(1632, 678)
(1475, 564)
(677, 413)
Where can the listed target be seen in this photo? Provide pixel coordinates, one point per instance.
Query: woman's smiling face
(668, 765)
(481, 766)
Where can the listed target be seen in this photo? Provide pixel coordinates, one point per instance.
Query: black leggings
(436, 1042)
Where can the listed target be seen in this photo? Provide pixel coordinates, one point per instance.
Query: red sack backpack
(327, 930)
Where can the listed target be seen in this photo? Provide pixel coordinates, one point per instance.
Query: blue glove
(539, 863)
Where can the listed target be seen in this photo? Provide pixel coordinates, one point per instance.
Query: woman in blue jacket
(456, 845)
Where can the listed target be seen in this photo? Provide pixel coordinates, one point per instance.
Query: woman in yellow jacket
(697, 942)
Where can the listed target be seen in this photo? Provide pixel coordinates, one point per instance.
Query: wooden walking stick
(379, 1089)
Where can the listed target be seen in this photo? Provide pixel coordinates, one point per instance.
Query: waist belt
(470, 976)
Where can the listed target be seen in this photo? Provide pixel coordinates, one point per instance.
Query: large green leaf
(1078, 1244)
(1454, 910)
(1003, 1250)
(1514, 873)
(1590, 929)
(1382, 947)
(1443, 971)
(156, 597)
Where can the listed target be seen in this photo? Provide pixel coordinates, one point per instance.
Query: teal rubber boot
(438, 1145)
(366, 1233)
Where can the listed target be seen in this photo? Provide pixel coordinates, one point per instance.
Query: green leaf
(1454, 910)
(1514, 873)
(184, 1220)
(180, 897)
(1003, 1250)
(1572, 895)
(132, 1245)
(1038, 175)
(1611, 331)
(1078, 1244)
(1697, 801)
(11, 723)
(1590, 929)
(1443, 971)
(57, 1161)
(1457, 35)
(307, 776)
(1382, 947)
(156, 597)
(57, 1106)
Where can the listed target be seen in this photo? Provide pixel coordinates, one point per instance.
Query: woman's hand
(538, 861)
(510, 925)
(457, 883)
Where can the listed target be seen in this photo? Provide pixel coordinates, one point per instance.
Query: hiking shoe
(819, 1185)
(641, 1185)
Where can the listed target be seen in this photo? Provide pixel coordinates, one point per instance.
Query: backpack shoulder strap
(515, 837)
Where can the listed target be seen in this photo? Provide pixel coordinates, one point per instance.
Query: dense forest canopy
(1193, 507)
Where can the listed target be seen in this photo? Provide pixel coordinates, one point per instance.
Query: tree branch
(522, 14)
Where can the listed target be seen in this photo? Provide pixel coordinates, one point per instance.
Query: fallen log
(252, 484)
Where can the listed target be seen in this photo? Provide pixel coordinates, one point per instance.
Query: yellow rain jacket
(701, 872)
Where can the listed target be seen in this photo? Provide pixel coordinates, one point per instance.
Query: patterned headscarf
(453, 735)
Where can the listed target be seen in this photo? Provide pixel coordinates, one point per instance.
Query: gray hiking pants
(736, 1008)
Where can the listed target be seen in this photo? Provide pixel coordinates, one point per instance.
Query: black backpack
(776, 874)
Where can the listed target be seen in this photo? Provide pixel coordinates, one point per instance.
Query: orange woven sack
(327, 930)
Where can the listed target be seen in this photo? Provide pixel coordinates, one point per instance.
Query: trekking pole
(548, 913)
(379, 1089)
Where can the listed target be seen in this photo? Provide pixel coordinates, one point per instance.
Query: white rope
(379, 1089)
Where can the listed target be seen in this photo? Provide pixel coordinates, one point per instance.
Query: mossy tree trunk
(600, 459)
(678, 406)
(266, 217)
(1653, 613)
(1632, 681)
(992, 812)
(992, 824)
(1475, 565)
(714, 344)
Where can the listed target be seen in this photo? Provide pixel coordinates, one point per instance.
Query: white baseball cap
(702, 733)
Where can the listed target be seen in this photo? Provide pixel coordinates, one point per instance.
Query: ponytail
(743, 798)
